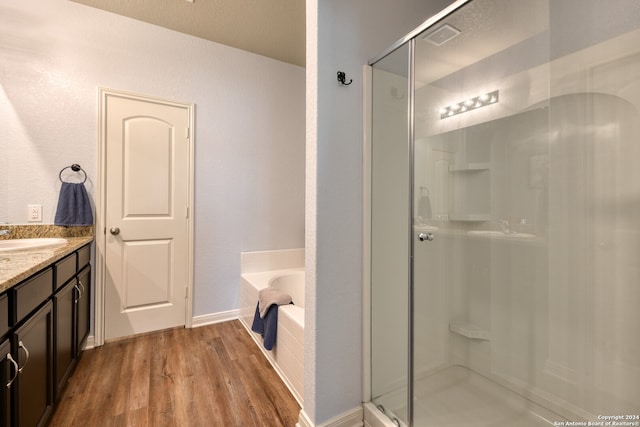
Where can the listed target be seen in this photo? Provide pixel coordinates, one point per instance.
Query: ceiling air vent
(442, 35)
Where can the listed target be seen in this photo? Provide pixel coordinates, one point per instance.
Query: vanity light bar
(470, 104)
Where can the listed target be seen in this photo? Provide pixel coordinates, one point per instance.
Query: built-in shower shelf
(471, 167)
(469, 330)
(470, 195)
(469, 217)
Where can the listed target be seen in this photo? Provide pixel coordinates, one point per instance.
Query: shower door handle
(425, 236)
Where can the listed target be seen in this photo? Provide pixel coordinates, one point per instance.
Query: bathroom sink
(493, 233)
(26, 244)
(522, 235)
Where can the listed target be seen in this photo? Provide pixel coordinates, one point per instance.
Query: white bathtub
(287, 355)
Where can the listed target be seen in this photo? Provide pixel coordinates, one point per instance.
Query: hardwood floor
(209, 376)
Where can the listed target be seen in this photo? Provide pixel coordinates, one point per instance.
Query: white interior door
(147, 177)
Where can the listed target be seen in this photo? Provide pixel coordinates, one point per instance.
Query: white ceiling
(486, 29)
(273, 28)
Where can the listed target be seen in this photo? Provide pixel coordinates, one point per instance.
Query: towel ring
(76, 168)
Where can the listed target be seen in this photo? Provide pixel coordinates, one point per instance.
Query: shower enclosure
(504, 255)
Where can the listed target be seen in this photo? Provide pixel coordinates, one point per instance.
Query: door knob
(114, 230)
(425, 236)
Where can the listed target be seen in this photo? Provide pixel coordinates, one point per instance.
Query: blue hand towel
(74, 207)
(267, 326)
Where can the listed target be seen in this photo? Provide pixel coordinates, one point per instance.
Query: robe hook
(342, 77)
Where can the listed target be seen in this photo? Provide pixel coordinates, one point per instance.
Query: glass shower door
(390, 237)
(526, 219)
(481, 142)
(505, 218)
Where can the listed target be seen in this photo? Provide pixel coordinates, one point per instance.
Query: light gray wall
(249, 126)
(340, 36)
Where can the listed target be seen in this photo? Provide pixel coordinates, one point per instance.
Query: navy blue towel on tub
(267, 326)
(74, 206)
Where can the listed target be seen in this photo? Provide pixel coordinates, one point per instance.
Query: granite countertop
(16, 266)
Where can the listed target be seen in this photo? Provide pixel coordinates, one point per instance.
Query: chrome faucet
(5, 231)
(504, 226)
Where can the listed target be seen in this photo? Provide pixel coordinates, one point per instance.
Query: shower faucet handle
(425, 236)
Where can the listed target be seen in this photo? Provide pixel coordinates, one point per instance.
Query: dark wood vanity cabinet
(4, 314)
(27, 366)
(33, 343)
(83, 307)
(71, 303)
(5, 363)
(47, 322)
(5, 377)
(64, 302)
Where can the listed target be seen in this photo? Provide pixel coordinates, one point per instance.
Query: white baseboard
(351, 418)
(90, 342)
(205, 319)
(210, 319)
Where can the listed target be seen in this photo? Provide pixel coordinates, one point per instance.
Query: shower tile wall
(551, 306)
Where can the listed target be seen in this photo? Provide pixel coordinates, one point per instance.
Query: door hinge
(186, 211)
(187, 135)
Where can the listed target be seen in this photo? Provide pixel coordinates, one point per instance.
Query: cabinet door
(83, 319)
(64, 306)
(4, 314)
(33, 396)
(7, 371)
